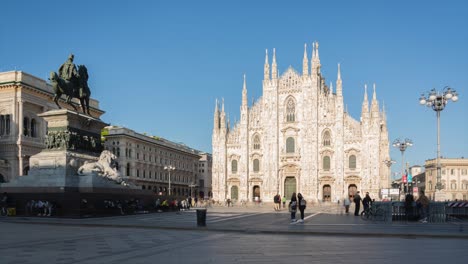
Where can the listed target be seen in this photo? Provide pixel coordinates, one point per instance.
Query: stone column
(20, 135)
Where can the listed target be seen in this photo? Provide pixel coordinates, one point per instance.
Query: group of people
(278, 201)
(422, 204)
(175, 204)
(40, 208)
(366, 202)
(297, 202)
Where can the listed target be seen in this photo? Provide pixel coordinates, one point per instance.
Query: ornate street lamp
(437, 101)
(402, 145)
(389, 163)
(169, 169)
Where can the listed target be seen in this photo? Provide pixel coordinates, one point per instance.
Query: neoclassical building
(454, 177)
(22, 97)
(298, 137)
(155, 163)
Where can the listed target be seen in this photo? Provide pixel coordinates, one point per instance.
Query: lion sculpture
(105, 167)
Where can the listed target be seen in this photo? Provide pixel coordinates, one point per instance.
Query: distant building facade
(298, 137)
(204, 170)
(454, 176)
(22, 132)
(142, 160)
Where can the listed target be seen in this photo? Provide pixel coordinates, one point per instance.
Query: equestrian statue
(71, 82)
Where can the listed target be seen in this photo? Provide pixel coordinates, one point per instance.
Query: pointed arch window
(291, 110)
(256, 165)
(256, 142)
(234, 166)
(290, 145)
(326, 163)
(326, 138)
(352, 162)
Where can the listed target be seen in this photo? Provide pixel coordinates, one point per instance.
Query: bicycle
(374, 214)
(3, 211)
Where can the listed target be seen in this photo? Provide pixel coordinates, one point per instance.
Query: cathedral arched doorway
(326, 193)
(234, 193)
(289, 186)
(256, 193)
(2, 178)
(352, 189)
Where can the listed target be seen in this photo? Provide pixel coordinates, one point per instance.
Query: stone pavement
(319, 220)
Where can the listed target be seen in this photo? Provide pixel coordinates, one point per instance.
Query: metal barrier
(457, 209)
(438, 212)
(386, 208)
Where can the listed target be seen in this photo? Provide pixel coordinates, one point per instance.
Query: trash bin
(201, 217)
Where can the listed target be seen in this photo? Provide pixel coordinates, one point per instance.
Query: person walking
(284, 201)
(293, 207)
(277, 201)
(302, 206)
(357, 201)
(423, 205)
(366, 202)
(346, 203)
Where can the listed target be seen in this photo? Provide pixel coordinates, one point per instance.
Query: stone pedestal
(439, 196)
(72, 139)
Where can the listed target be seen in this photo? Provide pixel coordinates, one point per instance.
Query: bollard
(201, 216)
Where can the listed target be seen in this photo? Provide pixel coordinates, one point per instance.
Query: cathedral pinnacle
(316, 51)
(365, 105)
(339, 72)
(244, 93)
(339, 84)
(374, 105)
(274, 67)
(305, 62)
(266, 68)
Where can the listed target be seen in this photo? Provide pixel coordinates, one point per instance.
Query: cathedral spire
(339, 84)
(374, 105)
(331, 88)
(274, 67)
(216, 117)
(244, 93)
(315, 58)
(365, 105)
(305, 62)
(266, 67)
(223, 117)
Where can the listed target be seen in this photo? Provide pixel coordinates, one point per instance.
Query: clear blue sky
(157, 66)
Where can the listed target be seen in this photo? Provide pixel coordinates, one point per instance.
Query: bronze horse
(77, 87)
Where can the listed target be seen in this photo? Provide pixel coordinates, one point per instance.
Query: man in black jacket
(357, 201)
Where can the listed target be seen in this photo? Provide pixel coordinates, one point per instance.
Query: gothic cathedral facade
(298, 137)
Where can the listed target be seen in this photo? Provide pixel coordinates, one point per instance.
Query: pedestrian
(409, 199)
(357, 201)
(423, 205)
(293, 207)
(346, 203)
(283, 200)
(277, 201)
(366, 202)
(4, 204)
(302, 206)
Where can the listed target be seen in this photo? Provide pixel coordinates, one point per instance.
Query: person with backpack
(302, 206)
(293, 207)
(277, 201)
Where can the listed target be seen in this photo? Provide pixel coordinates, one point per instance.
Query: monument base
(73, 140)
(439, 196)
